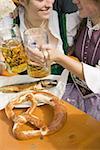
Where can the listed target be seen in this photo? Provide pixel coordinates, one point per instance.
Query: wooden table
(80, 132)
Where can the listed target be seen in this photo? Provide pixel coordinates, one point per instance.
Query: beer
(13, 49)
(14, 55)
(37, 71)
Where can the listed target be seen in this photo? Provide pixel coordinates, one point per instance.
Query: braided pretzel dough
(9, 108)
(23, 119)
(43, 129)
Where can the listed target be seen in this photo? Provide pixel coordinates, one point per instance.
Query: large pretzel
(57, 122)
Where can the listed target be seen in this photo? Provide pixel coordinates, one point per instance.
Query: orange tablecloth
(80, 132)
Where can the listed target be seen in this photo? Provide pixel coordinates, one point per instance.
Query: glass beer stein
(33, 38)
(13, 50)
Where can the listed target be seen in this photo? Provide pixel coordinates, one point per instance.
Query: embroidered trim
(83, 44)
(95, 50)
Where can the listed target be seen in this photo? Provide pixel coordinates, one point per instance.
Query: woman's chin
(45, 17)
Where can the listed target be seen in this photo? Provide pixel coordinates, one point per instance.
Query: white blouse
(92, 77)
(72, 24)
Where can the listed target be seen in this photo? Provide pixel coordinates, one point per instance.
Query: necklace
(44, 24)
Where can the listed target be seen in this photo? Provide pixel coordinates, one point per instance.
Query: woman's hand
(35, 55)
(43, 54)
(53, 53)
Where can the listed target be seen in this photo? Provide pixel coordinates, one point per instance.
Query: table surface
(80, 132)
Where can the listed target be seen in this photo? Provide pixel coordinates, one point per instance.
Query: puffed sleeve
(92, 77)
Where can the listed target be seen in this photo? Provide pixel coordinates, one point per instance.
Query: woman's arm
(53, 55)
(71, 64)
(67, 62)
(86, 72)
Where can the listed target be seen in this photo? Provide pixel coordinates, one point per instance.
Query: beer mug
(12, 49)
(33, 38)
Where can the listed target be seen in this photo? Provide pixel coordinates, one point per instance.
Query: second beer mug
(13, 50)
(33, 38)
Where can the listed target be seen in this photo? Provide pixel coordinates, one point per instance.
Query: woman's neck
(33, 23)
